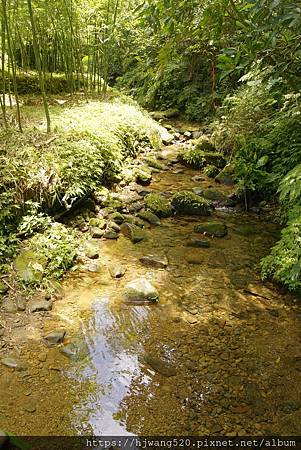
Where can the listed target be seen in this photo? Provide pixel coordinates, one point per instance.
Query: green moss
(186, 202)
(198, 159)
(159, 205)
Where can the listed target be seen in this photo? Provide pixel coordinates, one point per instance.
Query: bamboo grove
(54, 38)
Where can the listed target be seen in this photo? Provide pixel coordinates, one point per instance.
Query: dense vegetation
(233, 64)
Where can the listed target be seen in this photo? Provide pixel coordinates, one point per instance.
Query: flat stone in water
(197, 243)
(160, 366)
(157, 262)
(13, 363)
(140, 291)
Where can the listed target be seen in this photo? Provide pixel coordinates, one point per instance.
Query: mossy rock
(211, 171)
(149, 217)
(154, 164)
(158, 204)
(226, 176)
(129, 218)
(113, 203)
(96, 222)
(30, 266)
(204, 144)
(214, 196)
(198, 159)
(186, 202)
(132, 232)
(143, 176)
(215, 229)
(118, 218)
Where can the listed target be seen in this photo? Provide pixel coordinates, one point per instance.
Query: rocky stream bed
(164, 329)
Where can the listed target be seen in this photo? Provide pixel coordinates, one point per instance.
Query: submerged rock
(77, 349)
(216, 229)
(149, 217)
(197, 243)
(159, 205)
(13, 363)
(186, 202)
(140, 290)
(157, 262)
(132, 232)
(158, 365)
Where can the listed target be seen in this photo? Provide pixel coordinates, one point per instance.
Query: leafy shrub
(58, 247)
(283, 264)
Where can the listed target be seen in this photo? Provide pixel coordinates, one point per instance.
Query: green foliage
(193, 158)
(57, 246)
(290, 187)
(283, 264)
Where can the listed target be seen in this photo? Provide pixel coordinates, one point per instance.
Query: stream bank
(217, 354)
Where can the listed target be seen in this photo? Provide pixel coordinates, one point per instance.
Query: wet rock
(91, 251)
(96, 232)
(132, 232)
(135, 207)
(110, 234)
(13, 363)
(129, 218)
(3, 288)
(157, 262)
(159, 205)
(149, 217)
(140, 290)
(40, 305)
(226, 176)
(186, 202)
(158, 365)
(197, 243)
(77, 349)
(30, 266)
(55, 337)
(216, 229)
(117, 271)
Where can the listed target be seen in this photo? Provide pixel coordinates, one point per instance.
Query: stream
(217, 355)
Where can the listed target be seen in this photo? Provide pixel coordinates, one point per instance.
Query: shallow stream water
(226, 345)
